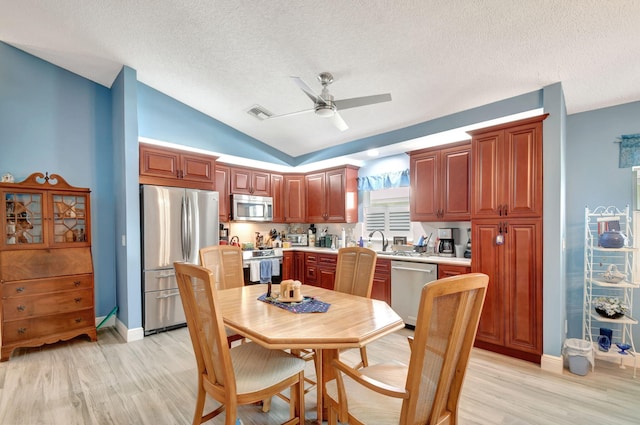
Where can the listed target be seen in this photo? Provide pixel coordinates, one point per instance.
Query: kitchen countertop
(432, 259)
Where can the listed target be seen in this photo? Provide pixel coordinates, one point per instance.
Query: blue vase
(611, 239)
(604, 343)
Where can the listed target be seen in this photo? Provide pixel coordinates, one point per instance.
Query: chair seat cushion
(257, 368)
(368, 406)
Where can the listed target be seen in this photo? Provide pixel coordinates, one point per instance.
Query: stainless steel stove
(253, 258)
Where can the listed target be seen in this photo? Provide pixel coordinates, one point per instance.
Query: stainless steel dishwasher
(407, 280)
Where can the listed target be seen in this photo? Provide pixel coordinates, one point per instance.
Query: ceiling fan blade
(337, 120)
(362, 101)
(291, 113)
(307, 90)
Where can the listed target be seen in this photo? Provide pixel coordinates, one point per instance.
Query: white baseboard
(552, 364)
(108, 324)
(129, 335)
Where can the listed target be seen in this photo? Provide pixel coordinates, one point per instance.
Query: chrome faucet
(384, 241)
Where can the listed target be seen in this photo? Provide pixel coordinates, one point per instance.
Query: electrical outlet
(124, 240)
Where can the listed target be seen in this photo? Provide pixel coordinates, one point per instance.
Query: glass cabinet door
(70, 223)
(23, 218)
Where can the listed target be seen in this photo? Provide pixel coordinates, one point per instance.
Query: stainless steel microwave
(251, 208)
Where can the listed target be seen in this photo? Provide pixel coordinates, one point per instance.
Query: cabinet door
(455, 187)
(260, 183)
(197, 168)
(159, 162)
(287, 265)
(294, 202)
(70, 224)
(487, 257)
(425, 179)
(315, 199)
(222, 187)
(23, 219)
(240, 181)
(335, 196)
(487, 170)
(381, 289)
(523, 285)
(523, 156)
(277, 193)
(298, 266)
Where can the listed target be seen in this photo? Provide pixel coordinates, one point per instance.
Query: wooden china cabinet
(46, 269)
(506, 223)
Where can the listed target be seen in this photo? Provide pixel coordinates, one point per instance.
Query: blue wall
(56, 121)
(594, 179)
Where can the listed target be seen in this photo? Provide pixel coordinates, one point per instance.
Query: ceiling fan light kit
(324, 104)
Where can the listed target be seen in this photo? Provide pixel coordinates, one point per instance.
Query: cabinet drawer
(21, 330)
(43, 286)
(327, 261)
(17, 308)
(383, 266)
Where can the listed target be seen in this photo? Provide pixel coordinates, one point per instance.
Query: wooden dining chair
(355, 269)
(225, 262)
(245, 374)
(428, 389)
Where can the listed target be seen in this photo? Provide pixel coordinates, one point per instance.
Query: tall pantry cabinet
(46, 269)
(506, 223)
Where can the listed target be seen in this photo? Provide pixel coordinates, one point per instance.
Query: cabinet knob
(20, 289)
(78, 320)
(76, 283)
(21, 308)
(77, 300)
(22, 330)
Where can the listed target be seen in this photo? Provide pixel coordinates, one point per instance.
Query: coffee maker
(447, 238)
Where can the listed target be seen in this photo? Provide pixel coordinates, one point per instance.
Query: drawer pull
(21, 308)
(78, 320)
(20, 289)
(22, 330)
(77, 299)
(76, 283)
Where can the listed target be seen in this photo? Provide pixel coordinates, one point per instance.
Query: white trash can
(580, 354)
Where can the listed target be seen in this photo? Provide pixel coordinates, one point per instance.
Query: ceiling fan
(325, 106)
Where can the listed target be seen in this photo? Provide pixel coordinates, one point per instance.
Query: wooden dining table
(350, 322)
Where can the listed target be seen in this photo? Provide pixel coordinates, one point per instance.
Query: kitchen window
(388, 210)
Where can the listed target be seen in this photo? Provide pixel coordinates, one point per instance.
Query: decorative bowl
(603, 313)
(623, 348)
(612, 239)
(613, 275)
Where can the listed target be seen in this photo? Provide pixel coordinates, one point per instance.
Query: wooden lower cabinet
(511, 320)
(287, 265)
(310, 269)
(447, 270)
(381, 289)
(298, 266)
(327, 270)
(49, 301)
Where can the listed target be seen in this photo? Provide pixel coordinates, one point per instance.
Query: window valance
(629, 150)
(384, 181)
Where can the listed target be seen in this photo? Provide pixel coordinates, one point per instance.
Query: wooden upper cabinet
(222, 187)
(293, 197)
(440, 183)
(277, 193)
(172, 167)
(507, 170)
(250, 182)
(332, 196)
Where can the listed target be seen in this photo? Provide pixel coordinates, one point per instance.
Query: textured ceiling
(434, 57)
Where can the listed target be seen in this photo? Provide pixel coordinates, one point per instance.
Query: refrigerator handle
(183, 225)
(189, 228)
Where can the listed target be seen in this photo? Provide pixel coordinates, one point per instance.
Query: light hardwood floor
(153, 382)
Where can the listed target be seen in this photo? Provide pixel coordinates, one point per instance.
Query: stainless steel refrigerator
(176, 223)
